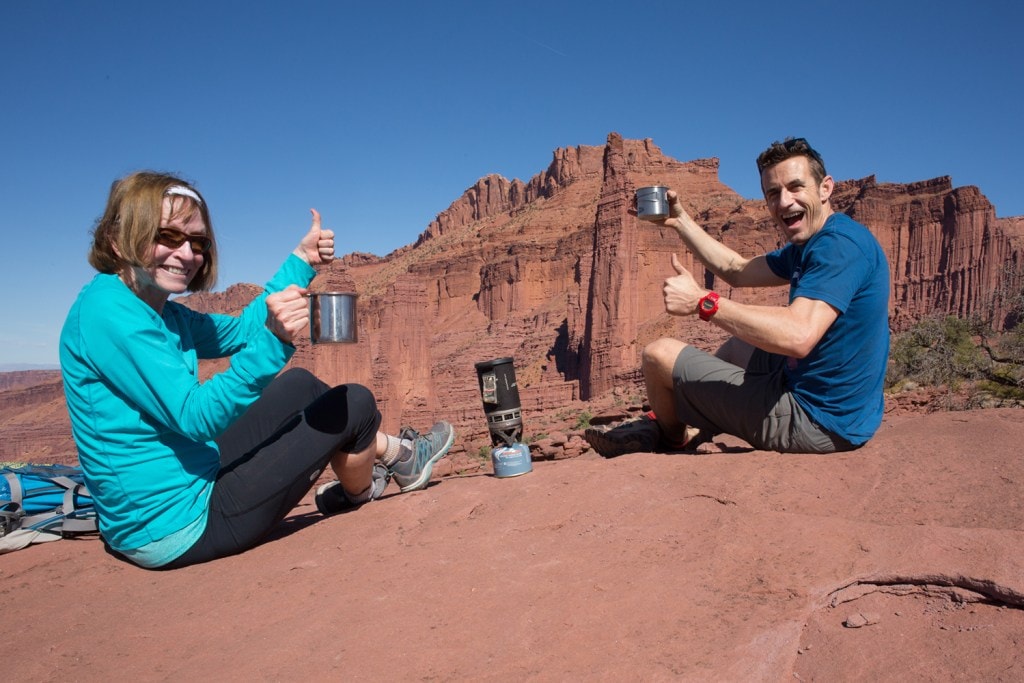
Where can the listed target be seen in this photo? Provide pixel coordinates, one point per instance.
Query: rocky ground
(901, 561)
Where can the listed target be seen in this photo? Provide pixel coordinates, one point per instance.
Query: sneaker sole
(428, 468)
(610, 448)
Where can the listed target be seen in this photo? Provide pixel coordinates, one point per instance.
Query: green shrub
(936, 352)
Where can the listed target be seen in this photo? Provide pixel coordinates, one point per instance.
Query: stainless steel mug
(332, 317)
(652, 203)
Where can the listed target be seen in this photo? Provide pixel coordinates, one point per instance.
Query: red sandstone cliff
(557, 273)
(34, 423)
(948, 252)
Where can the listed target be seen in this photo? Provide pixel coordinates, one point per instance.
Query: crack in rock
(963, 589)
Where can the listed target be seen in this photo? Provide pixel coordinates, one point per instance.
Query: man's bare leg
(657, 362)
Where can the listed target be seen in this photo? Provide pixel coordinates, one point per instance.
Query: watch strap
(708, 306)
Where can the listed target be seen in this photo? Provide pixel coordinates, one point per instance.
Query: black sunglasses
(805, 147)
(172, 239)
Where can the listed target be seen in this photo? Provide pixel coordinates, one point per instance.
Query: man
(802, 378)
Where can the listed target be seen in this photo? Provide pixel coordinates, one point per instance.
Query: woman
(185, 472)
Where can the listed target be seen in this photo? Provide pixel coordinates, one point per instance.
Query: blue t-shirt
(840, 382)
(143, 423)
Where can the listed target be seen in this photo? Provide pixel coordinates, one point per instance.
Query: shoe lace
(407, 432)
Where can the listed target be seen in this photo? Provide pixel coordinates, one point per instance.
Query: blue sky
(382, 114)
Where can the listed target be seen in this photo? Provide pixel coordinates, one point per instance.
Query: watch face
(707, 304)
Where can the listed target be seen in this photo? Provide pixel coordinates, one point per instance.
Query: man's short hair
(789, 148)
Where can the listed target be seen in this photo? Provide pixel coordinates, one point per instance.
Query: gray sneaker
(331, 498)
(414, 472)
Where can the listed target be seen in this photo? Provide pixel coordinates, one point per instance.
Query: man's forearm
(716, 257)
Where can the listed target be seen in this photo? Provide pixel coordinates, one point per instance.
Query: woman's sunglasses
(172, 239)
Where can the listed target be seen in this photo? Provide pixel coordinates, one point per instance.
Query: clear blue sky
(382, 114)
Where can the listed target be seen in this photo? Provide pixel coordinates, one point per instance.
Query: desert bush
(1005, 377)
(938, 351)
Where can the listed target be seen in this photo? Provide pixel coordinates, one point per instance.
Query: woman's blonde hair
(125, 234)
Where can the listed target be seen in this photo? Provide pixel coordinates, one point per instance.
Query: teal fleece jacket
(143, 423)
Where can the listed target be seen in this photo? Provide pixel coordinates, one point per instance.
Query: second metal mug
(652, 203)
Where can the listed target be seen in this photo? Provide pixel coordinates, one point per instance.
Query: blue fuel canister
(512, 460)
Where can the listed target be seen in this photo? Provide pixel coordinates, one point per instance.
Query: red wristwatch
(707, 306)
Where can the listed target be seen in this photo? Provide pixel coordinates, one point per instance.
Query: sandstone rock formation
(560, 275)
(34, 423)
(557, 273)
(948, 252)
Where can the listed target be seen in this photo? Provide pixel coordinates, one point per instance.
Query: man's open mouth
(792, 218)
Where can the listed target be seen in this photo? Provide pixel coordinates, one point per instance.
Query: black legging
(272, 455)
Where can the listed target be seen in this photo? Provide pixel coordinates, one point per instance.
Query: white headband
(184, 192)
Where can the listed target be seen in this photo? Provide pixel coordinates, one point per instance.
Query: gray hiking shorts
(753, 403)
